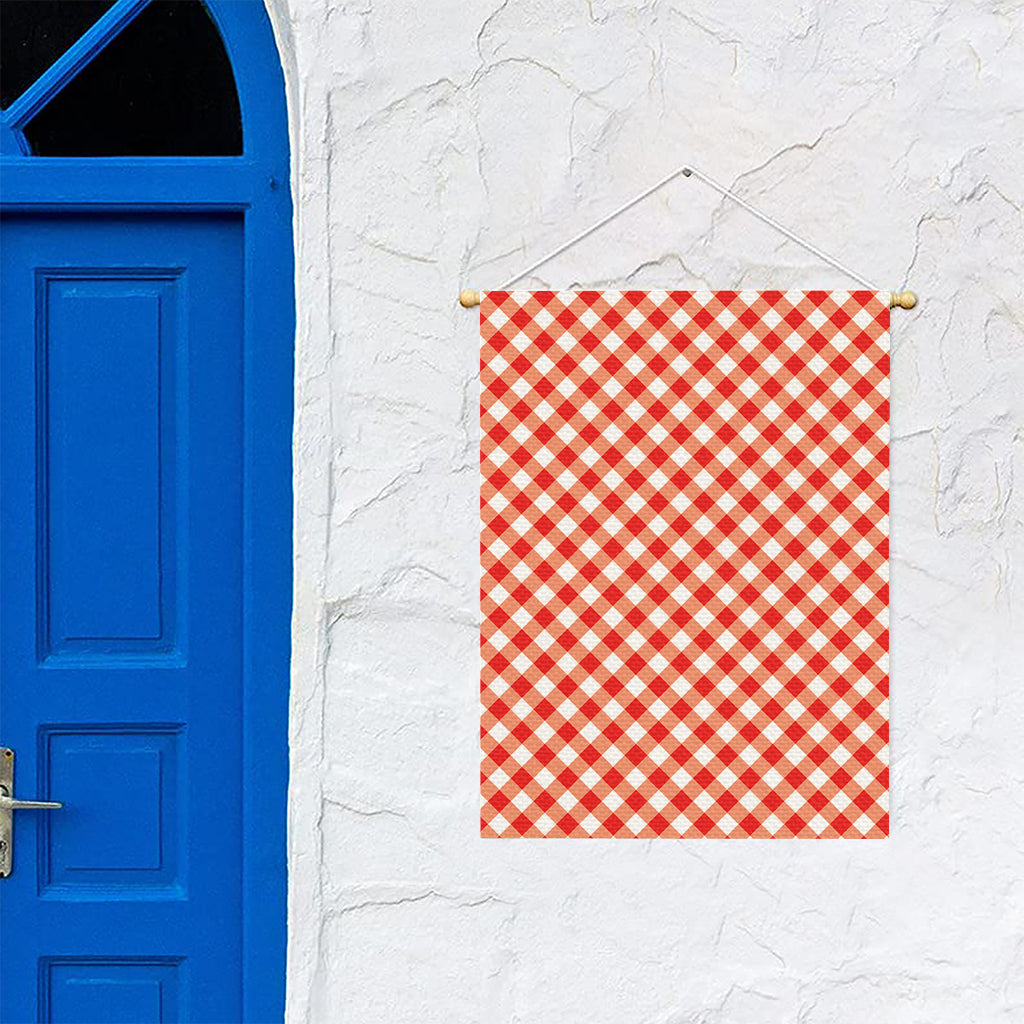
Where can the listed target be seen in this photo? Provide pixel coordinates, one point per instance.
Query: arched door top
(162, 85)
(171, 83)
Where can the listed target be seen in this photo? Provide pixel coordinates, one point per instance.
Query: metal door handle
(8, 804)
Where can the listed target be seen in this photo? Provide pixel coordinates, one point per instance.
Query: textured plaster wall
(445, 144)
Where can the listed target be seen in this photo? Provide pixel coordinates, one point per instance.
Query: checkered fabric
(684, 552)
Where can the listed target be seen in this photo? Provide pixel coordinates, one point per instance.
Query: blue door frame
(254, 186)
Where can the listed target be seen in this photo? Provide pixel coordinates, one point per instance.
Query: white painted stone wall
(445, 144)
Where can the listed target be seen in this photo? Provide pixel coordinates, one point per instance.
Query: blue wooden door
(146, 324)
(121, 385)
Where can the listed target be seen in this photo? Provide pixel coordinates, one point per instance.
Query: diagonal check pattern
(684, 551)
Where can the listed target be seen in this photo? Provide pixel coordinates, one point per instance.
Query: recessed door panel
(115, 991)
(125, 837)
(109, 344)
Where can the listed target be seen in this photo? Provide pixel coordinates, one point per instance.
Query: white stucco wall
(445, 144)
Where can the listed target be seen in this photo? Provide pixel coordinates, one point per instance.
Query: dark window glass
(163, 87)
(34, 33)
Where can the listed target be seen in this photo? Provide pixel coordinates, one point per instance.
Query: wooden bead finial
(903, 300)
(468, 299)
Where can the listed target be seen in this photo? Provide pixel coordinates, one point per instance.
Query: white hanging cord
(791, 235)
(596, 227)
(906, 300)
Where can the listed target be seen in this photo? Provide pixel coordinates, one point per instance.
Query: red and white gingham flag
(684, 546)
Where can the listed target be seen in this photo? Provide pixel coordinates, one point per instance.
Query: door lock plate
(6, 816)
(9, 804)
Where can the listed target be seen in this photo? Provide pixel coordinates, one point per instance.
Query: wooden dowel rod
(897, 300)
(902, 300)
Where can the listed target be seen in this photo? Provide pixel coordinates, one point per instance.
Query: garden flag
(684, 544)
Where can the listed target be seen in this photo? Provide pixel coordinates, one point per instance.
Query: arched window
(96, 78)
